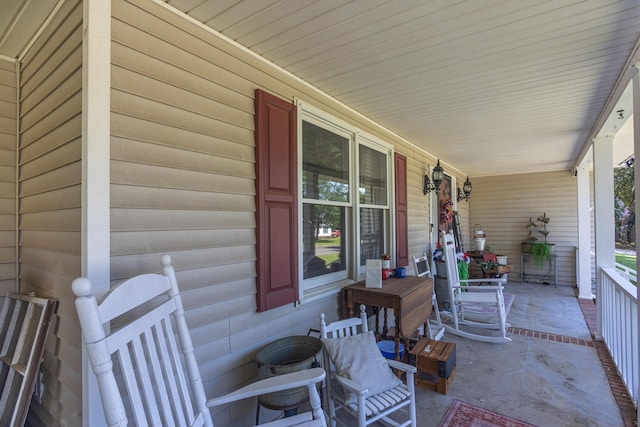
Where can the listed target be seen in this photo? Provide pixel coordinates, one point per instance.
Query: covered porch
(127, 130)
(552, 373)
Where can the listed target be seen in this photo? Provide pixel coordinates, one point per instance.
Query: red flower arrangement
(446, 212)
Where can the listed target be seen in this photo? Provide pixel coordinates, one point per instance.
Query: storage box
(436, 363)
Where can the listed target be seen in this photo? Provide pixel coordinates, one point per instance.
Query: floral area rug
(462, 414)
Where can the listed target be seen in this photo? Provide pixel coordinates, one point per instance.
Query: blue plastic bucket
(388, 349)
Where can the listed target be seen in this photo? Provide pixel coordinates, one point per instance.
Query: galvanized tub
(290, 354)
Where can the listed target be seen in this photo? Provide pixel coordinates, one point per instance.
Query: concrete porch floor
(552, 373)
(537, 377)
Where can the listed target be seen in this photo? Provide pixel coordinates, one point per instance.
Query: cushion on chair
(358, 358)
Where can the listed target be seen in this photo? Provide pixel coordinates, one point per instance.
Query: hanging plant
(540, 252)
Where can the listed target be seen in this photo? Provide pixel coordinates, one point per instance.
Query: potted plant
(462, 258)
(438, 258)
(540, 251)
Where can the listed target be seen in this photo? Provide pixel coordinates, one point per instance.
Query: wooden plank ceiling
(491, 86)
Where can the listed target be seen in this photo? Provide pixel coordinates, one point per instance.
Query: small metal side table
(553, 265)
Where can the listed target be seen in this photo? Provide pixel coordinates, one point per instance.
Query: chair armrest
(487, 280)
(480, 288)
(395, 364)
(270, 385)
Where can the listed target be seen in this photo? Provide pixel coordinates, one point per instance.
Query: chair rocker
(359, 381)
(435, 329)
(149, 376)
(472, 306)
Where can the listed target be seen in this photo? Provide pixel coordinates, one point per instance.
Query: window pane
(322, 239)
(371, 234)
(373, 177)
(325, 164)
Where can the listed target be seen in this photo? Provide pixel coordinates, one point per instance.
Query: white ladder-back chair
(359, 381)
(145, 366)
(435, 329)
(472, 306)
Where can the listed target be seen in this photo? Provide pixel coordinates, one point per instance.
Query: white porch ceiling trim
(623, 84)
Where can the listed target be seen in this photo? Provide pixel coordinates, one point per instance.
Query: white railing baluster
(620, 325)
(627, 272)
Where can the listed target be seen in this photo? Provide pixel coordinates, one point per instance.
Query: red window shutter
(402, 223)
(276, 204)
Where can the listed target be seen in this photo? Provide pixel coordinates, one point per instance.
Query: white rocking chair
(435, 329)
(359, 380)
(472, 306)
(152, 385)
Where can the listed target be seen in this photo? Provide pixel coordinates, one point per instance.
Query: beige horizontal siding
(503, 207)
(64, 36)
(8, 137)
(67, 154)
(63, 198)
(49, 197)
(186, 139)
(61, 135)
(183, 183)
(65, 176)
(153, 154)
(8, 141)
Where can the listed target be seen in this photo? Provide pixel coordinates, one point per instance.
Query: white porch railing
(627, 272)
(620, 326)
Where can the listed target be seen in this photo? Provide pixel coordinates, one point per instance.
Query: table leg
(396, 339)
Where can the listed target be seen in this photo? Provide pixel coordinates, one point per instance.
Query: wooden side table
(410, 299)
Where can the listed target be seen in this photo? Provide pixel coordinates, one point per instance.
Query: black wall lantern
(466, 189)
(437, 175)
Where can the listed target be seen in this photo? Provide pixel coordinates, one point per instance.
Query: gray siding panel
(49, 200)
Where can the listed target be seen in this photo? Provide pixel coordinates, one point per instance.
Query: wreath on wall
(446, 213)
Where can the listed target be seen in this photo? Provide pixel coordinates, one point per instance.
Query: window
(345, 200)
(373, 201)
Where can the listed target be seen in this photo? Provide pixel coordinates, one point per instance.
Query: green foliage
(328, 241)
(540, 252)
(329, 258)
(488, 265)
(623, 185)
(628, 261)
(624, 192)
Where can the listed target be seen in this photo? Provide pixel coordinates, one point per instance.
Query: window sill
(320, 292)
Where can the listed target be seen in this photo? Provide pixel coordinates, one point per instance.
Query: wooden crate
(436, 363)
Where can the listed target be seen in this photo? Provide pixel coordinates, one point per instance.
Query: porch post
(636, 167)
(604, 215)
(584, 232)
(95, 253)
